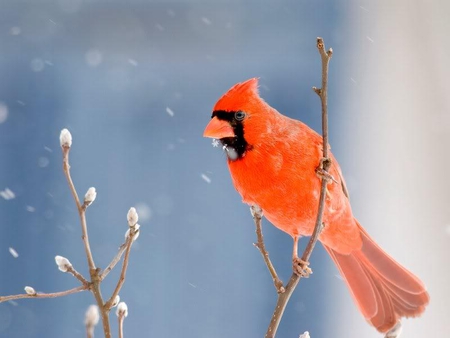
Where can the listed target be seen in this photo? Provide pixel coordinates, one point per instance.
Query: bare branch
(129, 242)
(45, 295)
(93, 285)
(94, 272)
(115, 260)
(77, 275)
(81, 209)
(325, 163)
(257, 214)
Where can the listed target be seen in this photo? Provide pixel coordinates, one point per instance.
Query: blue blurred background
(135, 82)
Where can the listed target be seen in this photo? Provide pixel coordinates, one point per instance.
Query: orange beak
(218, 129)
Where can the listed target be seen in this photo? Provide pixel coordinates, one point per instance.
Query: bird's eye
(239, 115)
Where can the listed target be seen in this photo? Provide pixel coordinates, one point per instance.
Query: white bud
(136, 234)
(116, 301)
(63, 263)
(65, 138)
(29, 290)
(90, 196)
(92, 316)
(122, 310)
(132, 217)
(305, 335)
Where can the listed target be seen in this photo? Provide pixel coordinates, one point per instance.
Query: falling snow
(93, 57)
(7, 194)
(3, 112)
(370, 39)
(206, 178)
(13, 252)
(206, 21)
(15, 30)
(29, 208)
(215, 143)
(339, 277)
(169, 111)
(132, 62)
(43, 162)
(37, 65)
(144, 211)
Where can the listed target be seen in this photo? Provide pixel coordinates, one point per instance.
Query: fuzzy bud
(136, 232)
(29, 290)
(90, 196)
(92, 316)
(63, 263)
(65, 138)
(122, 310)
(116, 301)
(132, 217)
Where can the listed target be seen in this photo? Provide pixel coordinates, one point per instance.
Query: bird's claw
(301, 268)
(322, 170)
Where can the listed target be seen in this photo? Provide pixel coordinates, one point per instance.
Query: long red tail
(383, 290)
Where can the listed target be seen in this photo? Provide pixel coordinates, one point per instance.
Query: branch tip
(132, 216)
(89, 197)
(65, 138)
(122, 310)
(63, 263)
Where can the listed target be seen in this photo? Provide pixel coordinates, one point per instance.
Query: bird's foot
(322, 170)
(301, 268)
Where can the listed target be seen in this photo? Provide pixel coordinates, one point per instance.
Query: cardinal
(272, 161)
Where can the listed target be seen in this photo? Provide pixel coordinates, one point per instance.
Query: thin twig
(123, 272)
(115, 260)
(81, 210)
(121, 318)
(94, 272)
(325, 163)
(257, 214)
(77, 275)
(45, 295)
(89, 331)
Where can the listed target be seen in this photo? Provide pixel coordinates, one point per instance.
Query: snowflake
(215, 143)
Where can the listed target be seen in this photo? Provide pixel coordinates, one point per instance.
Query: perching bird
(272, 160)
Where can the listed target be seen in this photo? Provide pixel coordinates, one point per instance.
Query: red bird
(272, 160)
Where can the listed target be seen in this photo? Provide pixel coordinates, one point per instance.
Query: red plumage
(276, 170)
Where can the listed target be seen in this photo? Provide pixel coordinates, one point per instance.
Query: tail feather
(383, 290)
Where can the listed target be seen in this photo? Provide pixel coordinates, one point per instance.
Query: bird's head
(238, 119)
